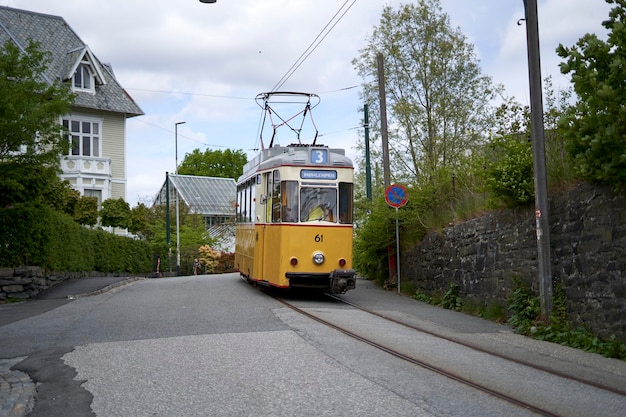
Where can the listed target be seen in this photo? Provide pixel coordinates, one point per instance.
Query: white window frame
(84, 78)
(86, 132)
(90, 192)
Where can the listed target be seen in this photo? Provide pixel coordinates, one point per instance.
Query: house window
(83, 77)
(84, 137)
(94, 193)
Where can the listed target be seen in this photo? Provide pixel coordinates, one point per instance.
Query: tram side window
(244, 210)
(252, 199)
(249, 202)
(245, 202)
(290, 201)
(275, 200)
(345, 202)
(240, 191)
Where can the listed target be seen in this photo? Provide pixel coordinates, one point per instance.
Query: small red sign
(396, 195)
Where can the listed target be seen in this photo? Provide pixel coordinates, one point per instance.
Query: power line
(313, 45)
(183, 93)
(179, 135)
(190, 94)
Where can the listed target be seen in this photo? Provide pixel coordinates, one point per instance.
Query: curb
(105, 289)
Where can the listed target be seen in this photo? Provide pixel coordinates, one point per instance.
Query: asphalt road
(215, 346)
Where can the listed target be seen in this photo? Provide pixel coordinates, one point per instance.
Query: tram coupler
(342, 280)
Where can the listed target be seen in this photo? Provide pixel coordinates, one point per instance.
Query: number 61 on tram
(294, 219)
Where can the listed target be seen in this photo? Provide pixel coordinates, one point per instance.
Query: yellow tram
(294, 218)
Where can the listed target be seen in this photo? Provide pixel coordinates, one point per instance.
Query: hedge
(40, 236)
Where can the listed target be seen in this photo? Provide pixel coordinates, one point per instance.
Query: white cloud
(230, 51)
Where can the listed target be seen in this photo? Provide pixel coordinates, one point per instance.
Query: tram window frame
(249, 202)
(315, 204)
(346, 198)
(244, 203)
(252, 185)
(240, 191)
(290, 201)
(268, 198)
(275, 199)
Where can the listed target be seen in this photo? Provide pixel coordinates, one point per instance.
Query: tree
(438, 100)
(31, 140)
(595, 125)
(61, 196)
(139, 220)
(86, 211)
(23, 182)
(115, 213)
(507, 165)
(214, 163)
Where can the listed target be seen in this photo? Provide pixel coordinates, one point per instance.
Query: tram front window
(318, 204)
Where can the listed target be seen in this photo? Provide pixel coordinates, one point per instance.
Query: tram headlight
(318, 258)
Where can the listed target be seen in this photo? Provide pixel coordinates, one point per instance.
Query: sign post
(396, 196)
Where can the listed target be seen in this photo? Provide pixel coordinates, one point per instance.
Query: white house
(96, 162)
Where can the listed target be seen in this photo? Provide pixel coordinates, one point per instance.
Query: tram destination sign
(318, 174)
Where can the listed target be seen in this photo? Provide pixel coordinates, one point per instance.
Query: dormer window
(83, 77)
(83, 70)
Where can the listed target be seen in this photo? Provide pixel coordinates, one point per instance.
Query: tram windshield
(318, 204)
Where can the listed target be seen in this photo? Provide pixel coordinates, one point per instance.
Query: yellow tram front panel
(334, 242)
(289, 249)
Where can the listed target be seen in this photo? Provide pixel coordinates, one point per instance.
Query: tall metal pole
(368, 169)
(398, 252)
(167, 220)
(177, 204)
(539, 157)
(382, 96)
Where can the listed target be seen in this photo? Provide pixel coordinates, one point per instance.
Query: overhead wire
(315, 43)
(189, 94)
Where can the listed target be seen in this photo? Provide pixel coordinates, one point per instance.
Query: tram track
(447, 373)
(511, 358)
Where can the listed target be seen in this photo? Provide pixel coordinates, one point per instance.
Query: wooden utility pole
(539, 159)
(383, 119)
(368, 169)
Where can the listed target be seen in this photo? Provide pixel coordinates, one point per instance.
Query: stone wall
(588, 255)
(26, 282)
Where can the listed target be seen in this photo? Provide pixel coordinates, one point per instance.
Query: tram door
(267, 252)
(273, 231)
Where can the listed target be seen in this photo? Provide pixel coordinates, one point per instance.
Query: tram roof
(209, 196)
(296, 154)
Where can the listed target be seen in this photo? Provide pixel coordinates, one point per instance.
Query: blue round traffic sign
(396, 195)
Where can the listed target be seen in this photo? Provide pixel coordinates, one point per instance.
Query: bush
(41, 236)
(451, 299)
(526, 311)
(510, 175)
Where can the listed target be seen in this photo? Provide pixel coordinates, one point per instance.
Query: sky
(203, 64)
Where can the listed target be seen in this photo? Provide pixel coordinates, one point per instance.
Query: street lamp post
(177, 198)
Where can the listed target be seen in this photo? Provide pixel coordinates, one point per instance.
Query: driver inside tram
(321, 212)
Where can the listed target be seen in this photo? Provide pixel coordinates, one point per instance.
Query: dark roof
(209, 196)
(56, 36)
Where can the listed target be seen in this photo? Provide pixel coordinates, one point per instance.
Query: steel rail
(510, 358)
(420, 363)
